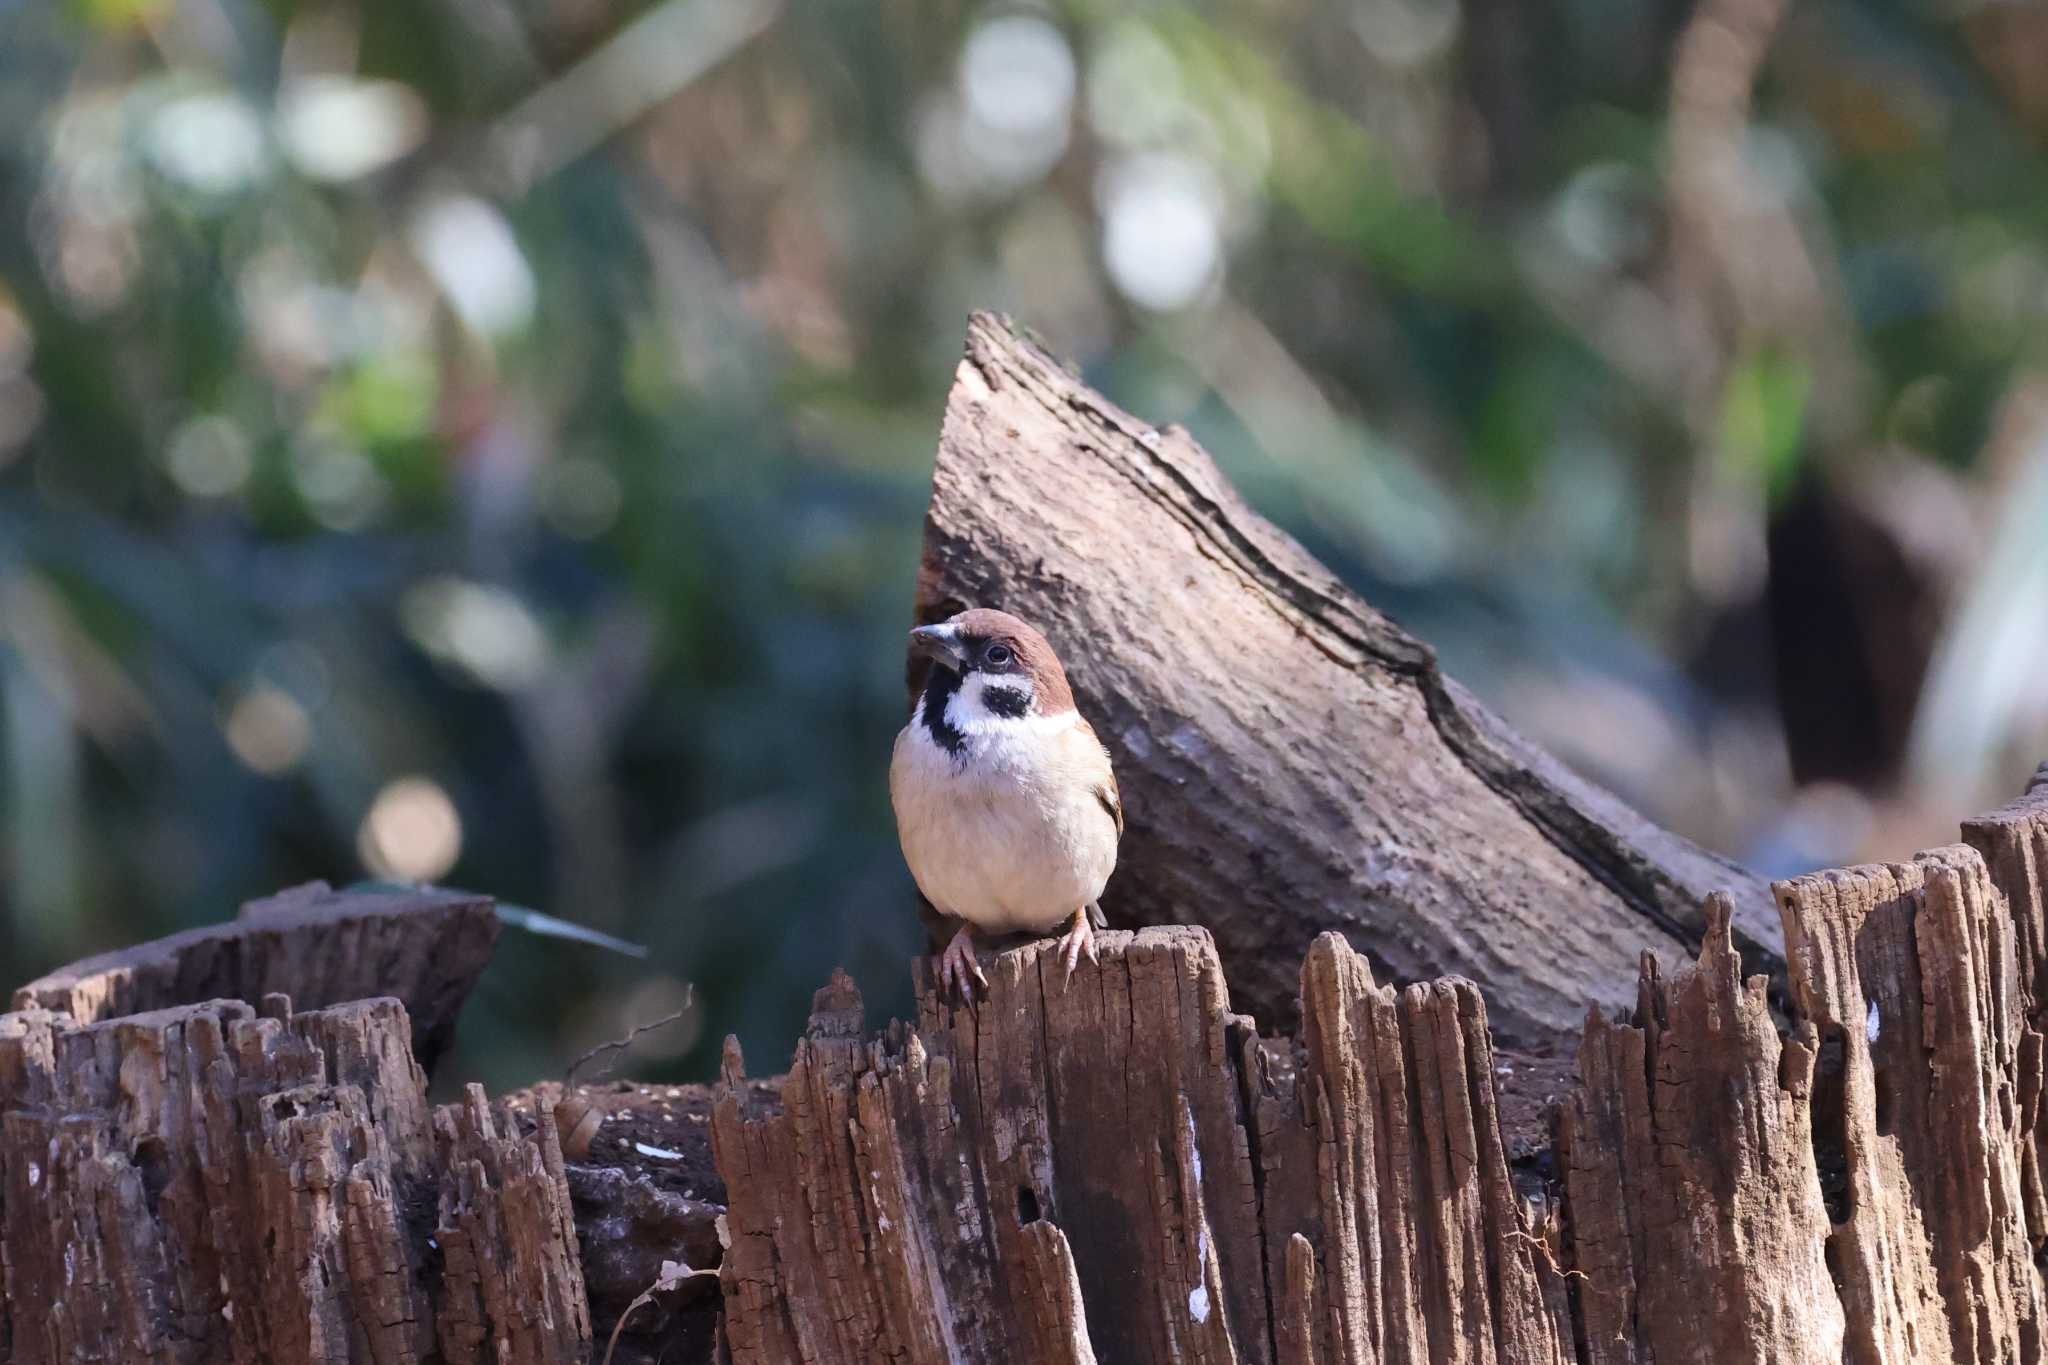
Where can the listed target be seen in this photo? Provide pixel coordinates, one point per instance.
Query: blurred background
(487, 440)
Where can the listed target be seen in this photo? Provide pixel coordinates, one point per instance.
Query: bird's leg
(1079, 939)
(958, 971)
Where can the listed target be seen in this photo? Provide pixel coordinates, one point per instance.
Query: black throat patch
(938, 690)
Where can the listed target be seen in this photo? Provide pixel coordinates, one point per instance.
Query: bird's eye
(998, 655)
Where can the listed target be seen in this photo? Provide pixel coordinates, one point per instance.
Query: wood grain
(1291, 761)
(207, 1184)
(1120, 1167)
(1103, 1166)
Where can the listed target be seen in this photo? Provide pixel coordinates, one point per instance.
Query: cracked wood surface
(234, 1181)
(1291, 761)
(1106, 1168)
(1115, 1167)
(1120, 1168)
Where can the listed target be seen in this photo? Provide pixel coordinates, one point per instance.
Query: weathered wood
(312, 943)
(1112, 1167)
(1909, 971)
(1857, 1191)
(1694, 1202)
(1291, 761)
(1100, 1167)
(203, 1184)
(2013, 842)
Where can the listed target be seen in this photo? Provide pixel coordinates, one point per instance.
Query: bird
(1006, 804)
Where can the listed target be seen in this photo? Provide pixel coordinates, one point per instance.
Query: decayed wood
(1113, 1167)
(1693, 1197)
(317, 945)
(1909, 969)
(206, 1184)
(2014, 845)
(1291, 761)
(1120, 1168)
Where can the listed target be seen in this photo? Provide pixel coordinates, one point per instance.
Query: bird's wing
(1105, 783)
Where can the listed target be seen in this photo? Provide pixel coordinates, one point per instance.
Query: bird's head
(988, 667)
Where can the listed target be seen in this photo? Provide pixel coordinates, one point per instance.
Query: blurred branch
(1742, 265)
(1742, 274)
(1985, 686)
(648, 61)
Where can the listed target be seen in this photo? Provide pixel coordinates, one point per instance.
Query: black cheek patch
(1007, 702)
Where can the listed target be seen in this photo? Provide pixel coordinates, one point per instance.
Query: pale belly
(996, 850)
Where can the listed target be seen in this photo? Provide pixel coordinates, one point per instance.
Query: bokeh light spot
(1162, 237)
(470, 250)
(212, 143)
(208, 457)
(335, 128)
(268, 730)
(412, 832)
(484, 631)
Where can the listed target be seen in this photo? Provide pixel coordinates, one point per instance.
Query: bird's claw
(959, 973)
(1079, 938)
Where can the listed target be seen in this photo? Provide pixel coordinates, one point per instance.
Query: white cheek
(968, 711)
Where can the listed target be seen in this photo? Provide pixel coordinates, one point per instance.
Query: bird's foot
(1079, 939)
(959, 973)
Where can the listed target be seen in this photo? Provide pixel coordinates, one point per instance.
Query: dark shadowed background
(486, 440)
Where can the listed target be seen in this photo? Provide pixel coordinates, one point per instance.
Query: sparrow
(1005, 802)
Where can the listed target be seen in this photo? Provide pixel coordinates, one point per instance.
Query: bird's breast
(1008, 836)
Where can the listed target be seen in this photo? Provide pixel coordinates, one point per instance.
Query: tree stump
(1291, 761)
(315, 944)
(1119, 1167)
(185, 1179)
(210, 1184)
(1112, 1167)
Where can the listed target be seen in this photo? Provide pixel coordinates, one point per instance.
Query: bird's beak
(940, 644)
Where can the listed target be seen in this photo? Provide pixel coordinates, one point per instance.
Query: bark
(2014, 845)
(1291, 761)
(1909, 971)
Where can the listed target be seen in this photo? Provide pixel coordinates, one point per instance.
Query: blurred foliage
(487, 440)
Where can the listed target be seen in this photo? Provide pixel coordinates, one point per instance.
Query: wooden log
(1291, 761)
(204, 1184)
(312, 943)
(1112, 1167)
